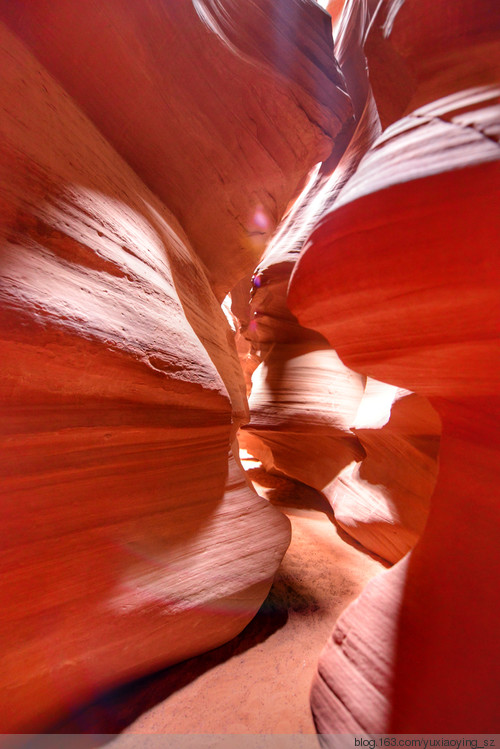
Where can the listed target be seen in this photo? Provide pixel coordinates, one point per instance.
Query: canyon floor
(258, 683)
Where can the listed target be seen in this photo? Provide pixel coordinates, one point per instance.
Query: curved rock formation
(303, 399)
(302, 404)
(125, 531)
(220, 108)
(421, 50)
(147, 153)
(402, 278)
(299, 372)
(383, 501)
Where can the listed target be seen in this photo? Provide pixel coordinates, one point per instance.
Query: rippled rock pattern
(402, 278)
(221, 108)
(148, 153)
(383, 500)
(304, 400)
(129, 539)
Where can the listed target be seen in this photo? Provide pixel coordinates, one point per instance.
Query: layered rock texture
(138, 181)
(221, 108)
(148, 154)
(383, 501)
(304, 401)
(402, 278)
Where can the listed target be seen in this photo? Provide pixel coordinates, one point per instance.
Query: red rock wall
(302, 404)
(402, 278)
(148, 151)
(304, 400)
(383, 500)
(220, 108)
(129, 541)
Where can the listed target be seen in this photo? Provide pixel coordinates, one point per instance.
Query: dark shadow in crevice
(289, 494)
(114, 711)
(352, 542)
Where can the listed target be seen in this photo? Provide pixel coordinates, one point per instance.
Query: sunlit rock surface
(302, 404)
(370, 448)
(402, 278)
(148, 153)
(220, 107)
(383, 501)
(421, 50)
(304, 400)
(129, 541)
(259, 682)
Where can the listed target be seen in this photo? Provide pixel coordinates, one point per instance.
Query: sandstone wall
(125, 526)
(402, 278)
(220, 108)
(304, 400)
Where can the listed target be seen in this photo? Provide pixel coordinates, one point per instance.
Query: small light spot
(261, 220)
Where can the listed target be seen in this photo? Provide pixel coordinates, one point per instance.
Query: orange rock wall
(304, 400)
(220, 108)
(402, 278)
(383, 500)
(129, 539)
(148, 152)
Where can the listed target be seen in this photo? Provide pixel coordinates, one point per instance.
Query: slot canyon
(250, 394)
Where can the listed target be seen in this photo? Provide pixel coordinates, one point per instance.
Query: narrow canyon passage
(270, 665)
(249, 346)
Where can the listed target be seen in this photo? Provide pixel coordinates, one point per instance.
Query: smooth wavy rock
(383, 501)
(260, 302)
(128, 540)
(402, 278)
(302, 404)
(326, 179)
(303, 399)
(221, 108)
(420, 50)
(297, 380)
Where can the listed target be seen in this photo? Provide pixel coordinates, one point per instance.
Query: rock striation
(221, 108)
(302, 404)
(125, 526)
(148, 153)
(304, 400)
(402, 278)
(383, 500)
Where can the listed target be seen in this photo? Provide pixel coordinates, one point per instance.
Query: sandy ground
(259, 682)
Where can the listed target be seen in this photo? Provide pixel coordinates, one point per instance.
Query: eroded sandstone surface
(220, 108)
(153, 158)
(304, 400)
(125, 527)
(402, 278)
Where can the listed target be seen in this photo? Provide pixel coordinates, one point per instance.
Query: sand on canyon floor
(258, 683)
